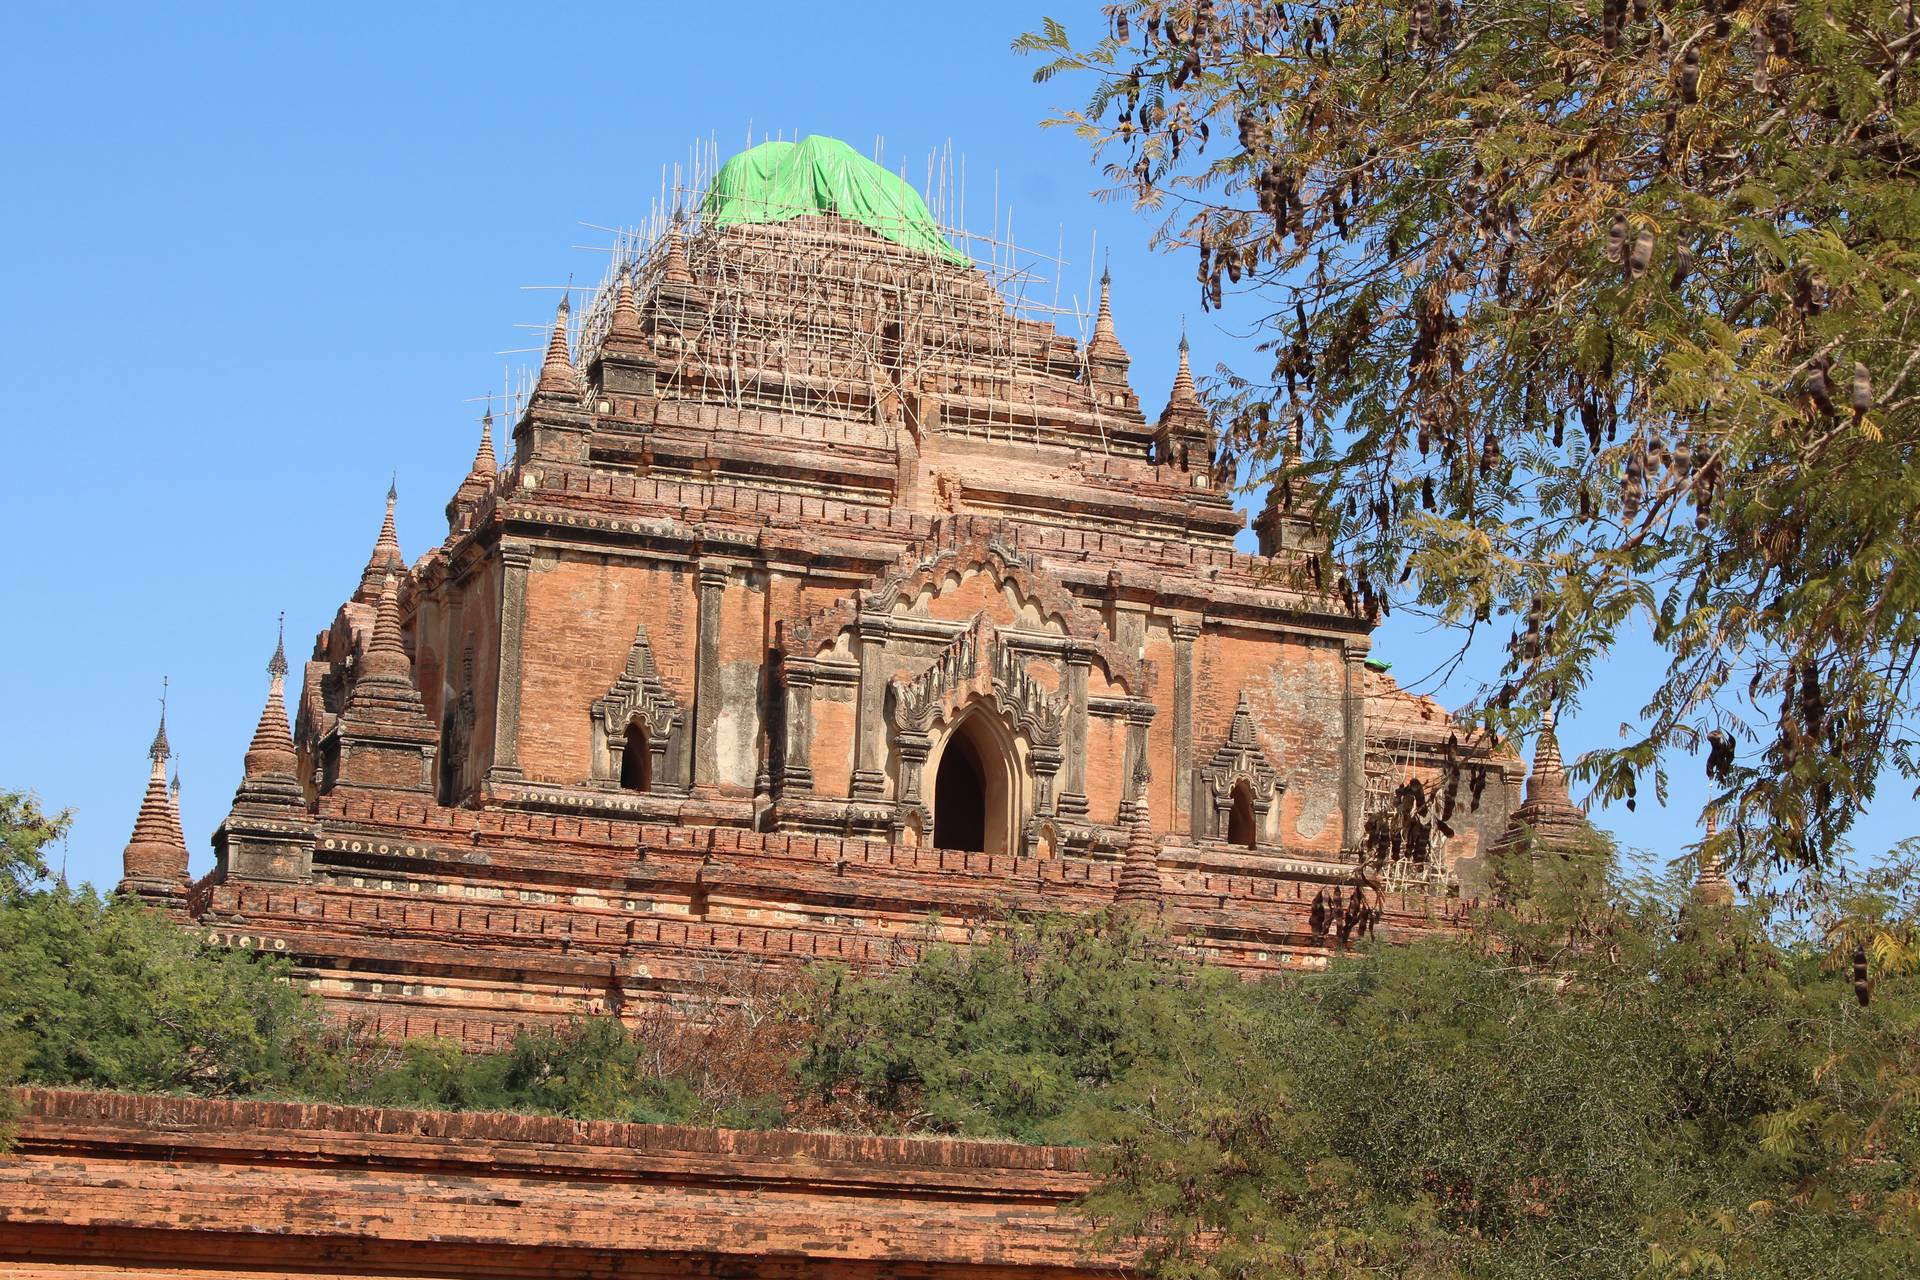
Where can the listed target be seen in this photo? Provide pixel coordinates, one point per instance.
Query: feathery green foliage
(1599, 316)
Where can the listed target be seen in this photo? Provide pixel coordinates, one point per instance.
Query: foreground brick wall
(117, 1185)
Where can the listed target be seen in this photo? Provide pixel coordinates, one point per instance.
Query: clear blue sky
(257, 260)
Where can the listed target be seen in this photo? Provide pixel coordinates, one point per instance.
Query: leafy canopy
(1590, 317)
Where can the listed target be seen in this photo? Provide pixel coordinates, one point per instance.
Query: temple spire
(1710, 882)
(1548, 780)
(386, 658)
(484, 463)
(1547, 820)
(478, 481)
(1184, 392)
(556, 372)
(1104, 347)
(625, 321)
(386, 557)
(678, 271)
(155, 860)
(271, 765)
(1139, 880)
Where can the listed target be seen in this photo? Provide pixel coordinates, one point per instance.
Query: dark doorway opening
(636, 761)
(1241, 829)
(960, 798)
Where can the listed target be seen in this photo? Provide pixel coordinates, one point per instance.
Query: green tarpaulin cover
(776, 181)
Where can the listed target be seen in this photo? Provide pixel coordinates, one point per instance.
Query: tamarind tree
(1588, 317)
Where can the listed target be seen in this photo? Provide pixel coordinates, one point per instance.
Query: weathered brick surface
(115, 1185)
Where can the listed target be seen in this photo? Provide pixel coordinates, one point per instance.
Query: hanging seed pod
(1818, 388)
(1682, 264)
(1421, 22)
(1862, 391)
(1780, 27)
(1682, 458)
(1426, 492)
(1762, 73)
(1812, 709)
(1120, 27)
(1862, 988)
(1641, 255)
(1690, 76)
(1617, 239)
(1633, 486)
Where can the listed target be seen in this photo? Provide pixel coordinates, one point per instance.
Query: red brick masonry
(117, 1185)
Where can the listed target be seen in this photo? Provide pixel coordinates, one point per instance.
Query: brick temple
(825, 601)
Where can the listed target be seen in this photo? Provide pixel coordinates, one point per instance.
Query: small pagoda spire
(556, 372)
(271, 764)
(485, 464)
(1104, 347)
(1710, 882)
(385, 660)
(625, 322)
(1140, 867)
(678, 271)
(1547, 820)
(155, 859)
(1184, 392)
(1547, 782)
(479, 479)
(173, 808)
(386, 557)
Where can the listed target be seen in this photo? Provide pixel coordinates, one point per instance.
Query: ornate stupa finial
(277, 664)
(159, 751)
(556, 371)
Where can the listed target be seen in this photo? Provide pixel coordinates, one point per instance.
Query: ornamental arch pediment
(951, 579)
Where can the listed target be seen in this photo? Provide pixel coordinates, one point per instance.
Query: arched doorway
(1242, 829)
(960, 798)
(636, 760)
(974, 784)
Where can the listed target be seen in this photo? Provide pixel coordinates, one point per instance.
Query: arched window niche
(1243, 828)
(636, 760)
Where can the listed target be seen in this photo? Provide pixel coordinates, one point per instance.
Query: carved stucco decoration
(638, 695)
(955, 678)
(1238, 759)
(958, 544)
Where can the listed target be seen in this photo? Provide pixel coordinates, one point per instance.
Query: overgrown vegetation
(1607, 1077)
(1590, 318)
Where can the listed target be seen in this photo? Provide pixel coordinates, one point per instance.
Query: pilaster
(707, 694)
(515, 559)
(1073, 796)
(870, 730)
(1184, 634)
(1353, 791)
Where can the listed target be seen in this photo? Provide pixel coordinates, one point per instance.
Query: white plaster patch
(1315, 811)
